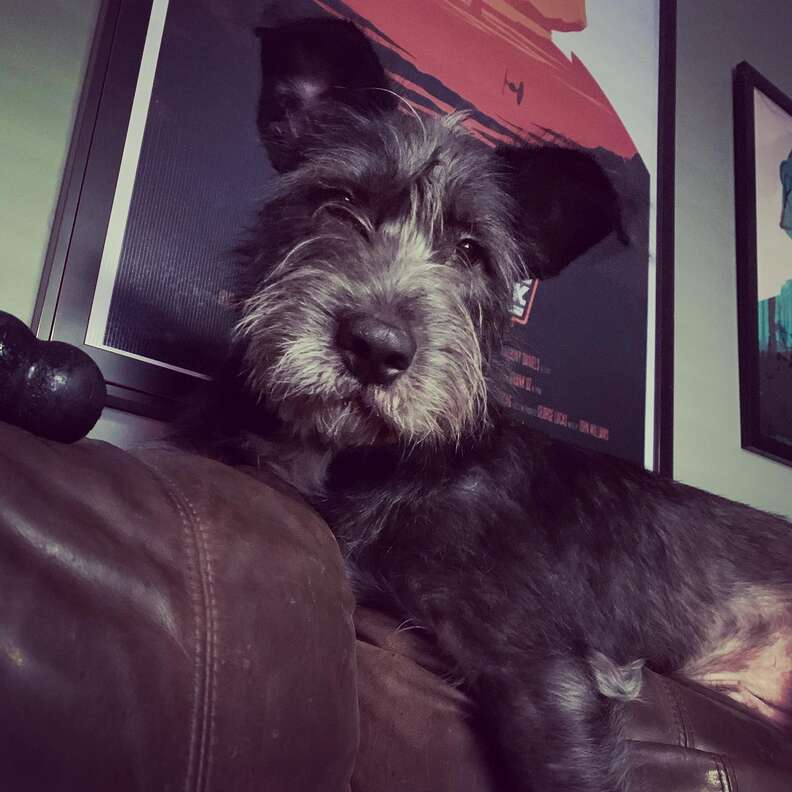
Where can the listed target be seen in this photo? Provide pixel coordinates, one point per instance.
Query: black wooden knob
(49, 388)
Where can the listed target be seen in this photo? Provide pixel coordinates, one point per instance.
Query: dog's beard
(288, 330)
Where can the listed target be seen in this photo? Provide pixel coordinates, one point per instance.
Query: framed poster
(167, 171)
(763, 174)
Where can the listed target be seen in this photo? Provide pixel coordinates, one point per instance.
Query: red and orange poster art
(578, 346)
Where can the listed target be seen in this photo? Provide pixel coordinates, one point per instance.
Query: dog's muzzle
(375, 350)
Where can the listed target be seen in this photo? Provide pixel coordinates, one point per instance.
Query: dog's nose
(374, 350)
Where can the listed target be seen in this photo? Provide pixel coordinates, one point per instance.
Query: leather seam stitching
(676, 714)
(687, 723)
(732, 783)
(723, 776)
(210, 692)
(201, 578)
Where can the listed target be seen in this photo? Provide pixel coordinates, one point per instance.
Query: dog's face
(383, 267)
(388, 259)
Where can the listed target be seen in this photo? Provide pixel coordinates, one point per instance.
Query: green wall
(44, 46)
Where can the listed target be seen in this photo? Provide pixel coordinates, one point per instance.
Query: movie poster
(568, 71)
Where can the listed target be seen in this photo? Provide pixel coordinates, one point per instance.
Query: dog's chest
(419, 537)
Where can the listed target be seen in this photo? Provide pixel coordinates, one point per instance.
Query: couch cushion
(167, 623)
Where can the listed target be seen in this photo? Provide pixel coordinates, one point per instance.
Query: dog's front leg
(553, 729)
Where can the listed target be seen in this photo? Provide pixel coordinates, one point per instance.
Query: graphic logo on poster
(523, 296)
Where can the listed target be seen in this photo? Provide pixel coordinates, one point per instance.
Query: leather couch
(170, 623)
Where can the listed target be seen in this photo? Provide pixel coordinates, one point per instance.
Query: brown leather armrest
(416, 728)
(166, 623)
(169, 623)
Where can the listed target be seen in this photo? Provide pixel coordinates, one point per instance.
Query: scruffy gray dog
(365, 372)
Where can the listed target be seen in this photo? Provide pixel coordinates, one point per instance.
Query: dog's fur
(548, 574)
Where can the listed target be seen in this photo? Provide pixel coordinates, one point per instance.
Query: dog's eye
(337, 201)
(337, 195)
(342, 204)
(470, 252)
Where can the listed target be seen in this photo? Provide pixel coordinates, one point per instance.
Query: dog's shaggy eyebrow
(423, 172)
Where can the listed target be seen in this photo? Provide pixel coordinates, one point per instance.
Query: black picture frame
(83, 212)
(664, 285)
(754, 406)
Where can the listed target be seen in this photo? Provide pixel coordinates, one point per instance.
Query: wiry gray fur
(427, 184)
(545, 573)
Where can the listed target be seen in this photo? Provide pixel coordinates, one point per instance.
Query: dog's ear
(566, 204)
(307, 66)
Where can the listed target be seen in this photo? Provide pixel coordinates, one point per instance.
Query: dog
(365, 371)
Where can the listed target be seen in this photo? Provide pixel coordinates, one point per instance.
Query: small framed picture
(763, 185)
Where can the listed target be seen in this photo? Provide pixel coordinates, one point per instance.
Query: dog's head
(383, 268)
